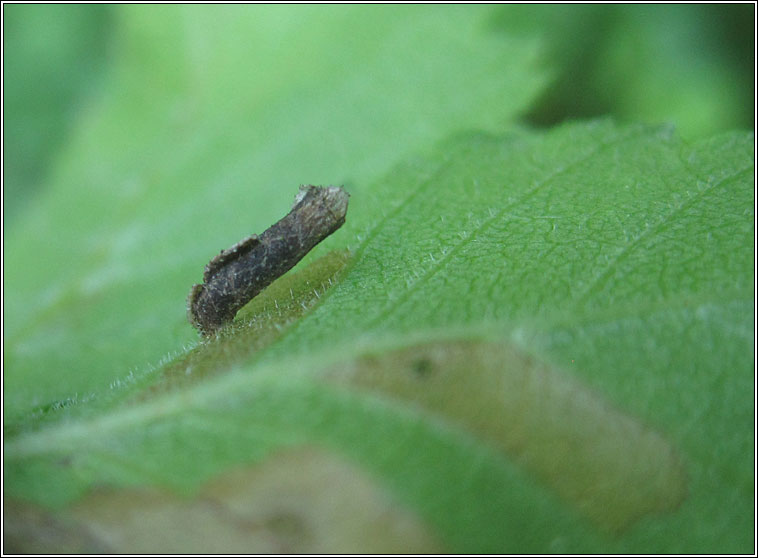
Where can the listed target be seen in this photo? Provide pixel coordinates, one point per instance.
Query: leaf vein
(629, 248)
(437, 265)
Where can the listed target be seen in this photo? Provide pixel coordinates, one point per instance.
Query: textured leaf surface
(590, 286)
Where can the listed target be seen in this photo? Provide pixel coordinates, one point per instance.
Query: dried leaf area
(600, 460)
(302, 500)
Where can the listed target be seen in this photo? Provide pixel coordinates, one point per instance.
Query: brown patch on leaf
(606, 463)
(29, 529)
(303, 500)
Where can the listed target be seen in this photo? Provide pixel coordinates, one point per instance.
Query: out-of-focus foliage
(54, 57)
(689, 65)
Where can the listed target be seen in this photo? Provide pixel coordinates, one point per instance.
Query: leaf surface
(602, 274)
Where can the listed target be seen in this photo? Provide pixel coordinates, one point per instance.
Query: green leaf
(521, 341)
(543, 342)
(209, 120)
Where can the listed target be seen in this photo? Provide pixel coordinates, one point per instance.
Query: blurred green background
(54, 59)
(691, 65)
